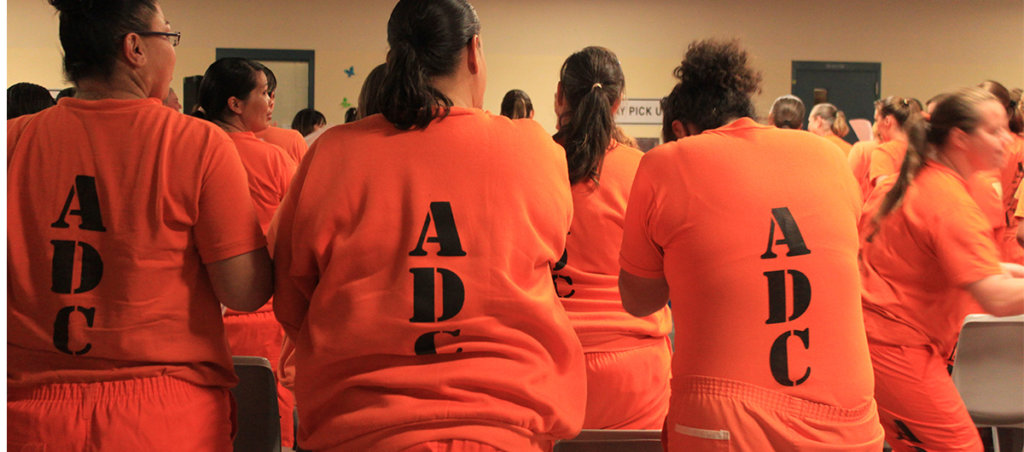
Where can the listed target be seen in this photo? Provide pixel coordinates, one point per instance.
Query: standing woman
(628, 358)
(830, 122)
(414, 251)
(234, 94)
(929, 257)
(759, 363)
(128, 225)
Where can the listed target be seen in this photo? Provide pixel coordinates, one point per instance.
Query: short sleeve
(640, 255)
(226, 225)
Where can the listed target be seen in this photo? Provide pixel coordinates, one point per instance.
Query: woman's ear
(474, 54)
(131, 49)
(235, 105)
(678, 130)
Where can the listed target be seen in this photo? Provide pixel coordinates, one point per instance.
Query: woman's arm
(642, 296)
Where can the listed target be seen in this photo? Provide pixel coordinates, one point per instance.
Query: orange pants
(149, 414)
(709, 414)
(917, 403)
(629, 389)
(259, 334)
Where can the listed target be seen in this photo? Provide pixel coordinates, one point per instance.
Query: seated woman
(929, 259)
(413, 253)
(235, 96)
(628, 358)
(828, 121)
(128, 225)
(741, 250)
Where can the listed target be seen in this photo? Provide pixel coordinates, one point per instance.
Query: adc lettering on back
(453, 291)
(783, 309)
(89, 262)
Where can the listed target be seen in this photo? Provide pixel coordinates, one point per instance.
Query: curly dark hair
(715, 85)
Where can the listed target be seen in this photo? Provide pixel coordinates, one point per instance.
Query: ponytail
(917, 130)
(427, 39)
(406, 98)
(839, 126)
(591, 82)
(587, 136)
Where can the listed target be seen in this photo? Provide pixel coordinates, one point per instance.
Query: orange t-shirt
(291, 141)
(859, 159)
(843, 144)
(1011, 177)
(743, 222)
(587, 276)
(269, 172)
(413, 274)
(113, 207)
(886, 160)
(923, 254)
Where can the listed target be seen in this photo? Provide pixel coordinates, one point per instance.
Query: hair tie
(596, 86)
(1013, 104)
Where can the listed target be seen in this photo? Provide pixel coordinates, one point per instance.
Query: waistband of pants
(794, 406)
(139, 387)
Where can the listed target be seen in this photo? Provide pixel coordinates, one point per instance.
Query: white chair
(989, 371)
(259, 423)
(612, 441)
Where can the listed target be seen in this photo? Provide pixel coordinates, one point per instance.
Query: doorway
(851, 87)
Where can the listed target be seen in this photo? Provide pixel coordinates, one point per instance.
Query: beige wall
(925, 46)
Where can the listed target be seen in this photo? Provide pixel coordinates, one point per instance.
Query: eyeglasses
(174, 37)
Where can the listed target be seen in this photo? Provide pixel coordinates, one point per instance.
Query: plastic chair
(861, 128)
(989, 371)
(612, 441)
(259, 426)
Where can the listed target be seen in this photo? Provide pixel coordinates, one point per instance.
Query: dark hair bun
(718, 65)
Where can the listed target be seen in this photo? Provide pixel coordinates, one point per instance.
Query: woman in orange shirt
(830, 122)
(414, 251)
(628, 358)
(1011, 174)
(234, 94)
(758, 364)
(127, 223)
(891, 115)
(928, 257)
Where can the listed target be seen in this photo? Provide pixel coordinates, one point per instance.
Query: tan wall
(925, 46)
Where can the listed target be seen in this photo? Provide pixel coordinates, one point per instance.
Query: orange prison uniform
(257, 333)
(628, 358)
(114, 332)
(1012, 174)
(838, 141)
(755, 230)
(413, 274)
(291, 141)
(914, 270)
(859, 159)
(886, 160)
